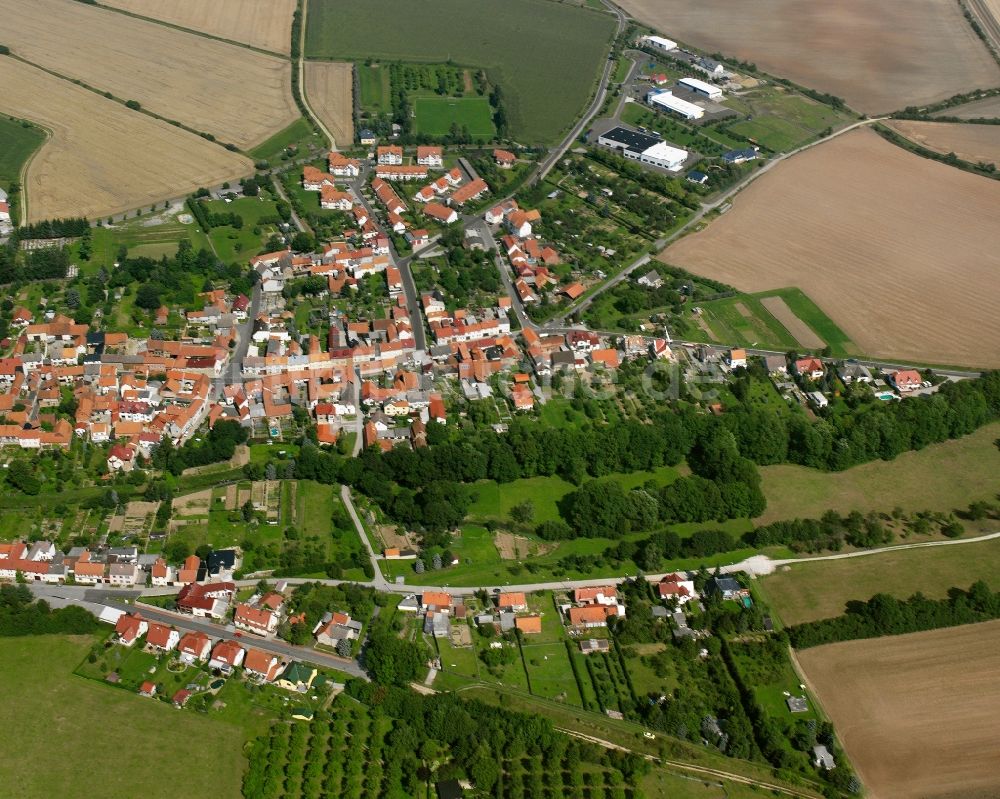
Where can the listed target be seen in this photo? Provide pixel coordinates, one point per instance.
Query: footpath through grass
(70, 736)
(546, 56)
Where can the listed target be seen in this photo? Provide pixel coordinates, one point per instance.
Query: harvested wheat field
(975, 143)
(235, 94)
(984, 108)
(878, 55)
(266, 24)
(102, 158)
(916, 713)
(330, 89)
(900, 251)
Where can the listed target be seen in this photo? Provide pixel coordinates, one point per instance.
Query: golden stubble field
(878, 55)
(974, 143)
(902, 252)
(266, 24)
(235, 94)
(329, 86)
(103, 158)
(916, 713)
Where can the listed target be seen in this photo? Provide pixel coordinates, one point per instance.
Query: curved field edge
(96, 161)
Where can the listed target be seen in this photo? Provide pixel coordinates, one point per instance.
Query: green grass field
(299, 134)
(550, 672)
(20, 140)
(780, 120)
(375, 88)
(76, 737)
(232, 245)
(436, 115)
(942, 477)
(819, 590)
(743, 321)
(141, 238)
(546, 56)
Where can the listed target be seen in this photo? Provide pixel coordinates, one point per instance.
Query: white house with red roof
(226, 656)
(262, 666)
(259, 621)
(906, 379)
(676, 587)
(194, 647)
(162, 637)
(130, 628)
(120, 458)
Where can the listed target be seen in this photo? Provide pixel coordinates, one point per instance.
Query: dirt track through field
(330, 89)
(916, 713)
(973, 143)
(98, 161)
(266, 24)
(800, 330)
(902, 252)
(879, 55)
(233, 93)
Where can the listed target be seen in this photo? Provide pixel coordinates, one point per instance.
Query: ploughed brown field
(974, 143)
(878, 55)
(330, 89)
(916, 713)
(261, 23)
(103, 158)
(233, 93)
(986, 108)
(901, 251)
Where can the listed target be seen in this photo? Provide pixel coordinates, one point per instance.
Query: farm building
(701, 87)
(644, 148)
(665, 100)
(659, 43)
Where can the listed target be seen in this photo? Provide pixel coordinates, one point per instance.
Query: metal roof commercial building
(666, 99)
(644, 148)
(701, 87)
(660, 43)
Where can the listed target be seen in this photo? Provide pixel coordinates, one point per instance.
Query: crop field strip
(546, 56)
(97, 162)
(265, 24)
(970, 142)
(329, 85)
(849, 223)
(228, 91)
(878, 55)
(916, 713)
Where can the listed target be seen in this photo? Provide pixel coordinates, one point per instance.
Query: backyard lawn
(73, 731)
(436, 115)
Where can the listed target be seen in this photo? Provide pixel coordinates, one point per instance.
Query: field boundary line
(205, 34)
(22, 176)
(115, 99)
(301, 67)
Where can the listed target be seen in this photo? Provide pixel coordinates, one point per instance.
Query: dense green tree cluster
(20, 614)
(885, 615)
(218, 445)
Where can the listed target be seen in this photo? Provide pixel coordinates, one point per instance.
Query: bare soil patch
(330, 89)
(743, 310)
(266, 24)
(975, 143)
(800, 330)
(916, 713)
(516, 547)
(196, 504)
(987, 108)
(393, 540)
(231, 497)
(97, 161)
(235, 94)
(879, 55)
(902, 252)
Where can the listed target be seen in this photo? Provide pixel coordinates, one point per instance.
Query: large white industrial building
(659, 43)
(701, 87)
(644, 148)
(666, 100)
